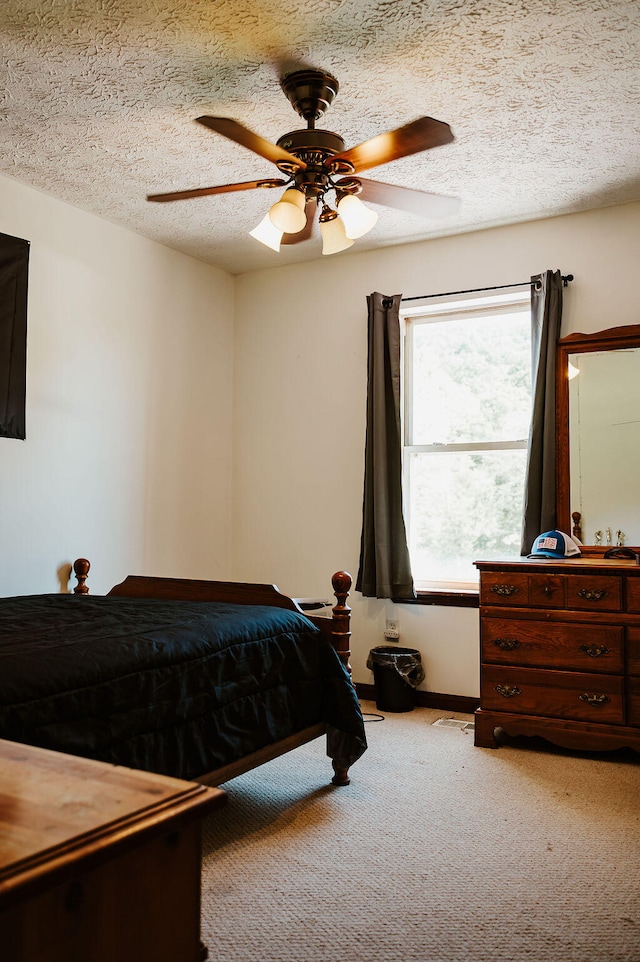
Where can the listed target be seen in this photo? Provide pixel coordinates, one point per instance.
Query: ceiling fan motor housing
(302, 142)
(315, 148)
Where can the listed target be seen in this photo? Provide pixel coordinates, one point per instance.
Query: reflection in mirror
(604, 444)
(598, 436)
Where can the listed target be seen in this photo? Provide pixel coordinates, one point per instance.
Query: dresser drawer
(500, 588)
(594, 593)
(547, 591)
(580, 592)
(633, 594)
(633, 702)
(633, 651)
(542, 644)
(558, 694)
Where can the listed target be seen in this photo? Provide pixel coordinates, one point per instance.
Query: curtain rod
(566, 279)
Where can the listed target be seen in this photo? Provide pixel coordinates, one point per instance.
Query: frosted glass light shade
(288, 214)
(357, 218)
(267, 234)
(334, 238)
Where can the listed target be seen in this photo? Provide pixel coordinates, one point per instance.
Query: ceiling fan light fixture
(288, 214)
(334, 237)
(267, 234)
(357, 217)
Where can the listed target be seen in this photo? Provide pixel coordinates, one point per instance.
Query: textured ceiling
(98, 100)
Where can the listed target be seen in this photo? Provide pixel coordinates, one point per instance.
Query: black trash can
(396, 673)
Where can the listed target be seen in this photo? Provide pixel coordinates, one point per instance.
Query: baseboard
(428, 699)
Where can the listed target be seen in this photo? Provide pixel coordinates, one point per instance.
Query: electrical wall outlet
(392, 630)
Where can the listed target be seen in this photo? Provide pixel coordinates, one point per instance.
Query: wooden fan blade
(222, 189)
(421, 134)
(307, 230)
(246, 138)
(419, 202)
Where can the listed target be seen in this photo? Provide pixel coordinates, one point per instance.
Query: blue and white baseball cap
(554, 544)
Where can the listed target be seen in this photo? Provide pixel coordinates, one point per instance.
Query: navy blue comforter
(176, 687)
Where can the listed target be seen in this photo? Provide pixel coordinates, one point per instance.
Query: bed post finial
(341, 627)
(81, 569)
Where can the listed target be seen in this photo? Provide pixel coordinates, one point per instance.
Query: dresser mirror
(598, 437)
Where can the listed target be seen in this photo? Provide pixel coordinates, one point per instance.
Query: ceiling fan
(316, 162)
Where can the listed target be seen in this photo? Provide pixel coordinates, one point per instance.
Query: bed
(200, 680)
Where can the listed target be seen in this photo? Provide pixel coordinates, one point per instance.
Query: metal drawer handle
(507, 644)
(594, 651)
(596, 595)
(504, 590)
(508, 691)
(594, 700)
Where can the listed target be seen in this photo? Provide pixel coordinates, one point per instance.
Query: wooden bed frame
(336, 629)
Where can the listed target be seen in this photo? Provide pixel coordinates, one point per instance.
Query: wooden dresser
(98, 863)
(560, 652)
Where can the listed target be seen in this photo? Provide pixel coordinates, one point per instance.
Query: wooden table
(98, 863)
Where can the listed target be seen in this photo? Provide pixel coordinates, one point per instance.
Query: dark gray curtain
(540, 485)
(385, 569)
(14, 264)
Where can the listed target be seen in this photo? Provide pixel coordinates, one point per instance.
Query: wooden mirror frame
(612, 339)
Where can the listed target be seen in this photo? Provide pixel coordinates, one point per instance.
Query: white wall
(299, 403)
(127, 459)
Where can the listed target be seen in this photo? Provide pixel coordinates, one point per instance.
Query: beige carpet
(436, 852)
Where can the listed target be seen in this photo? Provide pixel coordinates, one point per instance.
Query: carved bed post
(81, 569)
(341, 622)
(340, 638)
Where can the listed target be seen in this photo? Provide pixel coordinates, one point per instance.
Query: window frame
(517, 299)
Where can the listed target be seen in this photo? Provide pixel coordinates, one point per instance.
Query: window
(467, 412)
